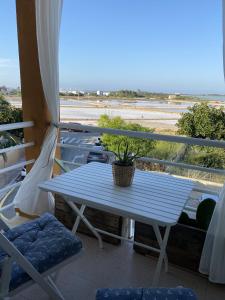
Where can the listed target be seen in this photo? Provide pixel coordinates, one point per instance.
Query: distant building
(3, 90)
(106, 94)
(173, 96)
(74, 92)
(99, 93)
(63, 91)
(7, 90)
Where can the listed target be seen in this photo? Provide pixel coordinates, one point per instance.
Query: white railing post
(19, 125)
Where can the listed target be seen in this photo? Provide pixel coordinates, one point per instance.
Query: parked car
(97, 156)
(62, 140)
(23, 172)
(99, 142)
(77, 130)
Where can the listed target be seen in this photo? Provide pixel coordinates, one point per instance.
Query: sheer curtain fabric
(29, 198)
(213, 255)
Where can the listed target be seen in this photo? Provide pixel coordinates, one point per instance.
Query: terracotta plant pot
(122, 175)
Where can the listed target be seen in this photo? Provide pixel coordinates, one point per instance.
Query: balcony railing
(134, 134)
(156, 137)
(152, 136)
(146, 135)
(15, 166)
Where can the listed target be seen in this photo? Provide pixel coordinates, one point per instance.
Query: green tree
(144, 146)
(10, 114)
(127, 94)
(203, 121)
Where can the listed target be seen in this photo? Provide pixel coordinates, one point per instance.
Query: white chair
(33, 252)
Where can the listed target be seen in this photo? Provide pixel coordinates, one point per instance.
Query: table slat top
(153, 197)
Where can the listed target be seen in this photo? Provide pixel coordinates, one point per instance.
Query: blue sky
(155, 45)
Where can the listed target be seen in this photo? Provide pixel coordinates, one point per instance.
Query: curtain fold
(29, 198)
(213, 255)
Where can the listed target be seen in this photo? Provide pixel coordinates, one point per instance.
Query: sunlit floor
(118, 266)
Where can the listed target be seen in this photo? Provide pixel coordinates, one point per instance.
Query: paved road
(79, 139)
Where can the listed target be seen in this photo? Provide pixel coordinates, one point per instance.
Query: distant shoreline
(161, 114)
(132, 99)
(190, 99)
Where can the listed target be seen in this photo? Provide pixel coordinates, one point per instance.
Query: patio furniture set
(34, 251)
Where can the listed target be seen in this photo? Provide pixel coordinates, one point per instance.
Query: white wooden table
(154, 198)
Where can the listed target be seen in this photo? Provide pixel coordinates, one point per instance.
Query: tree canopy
(203, 121)
(144, 146)
(10, 114)
(126, 94)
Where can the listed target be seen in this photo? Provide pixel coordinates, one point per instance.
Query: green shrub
(206, 156)
(142, 146)
(165, 150)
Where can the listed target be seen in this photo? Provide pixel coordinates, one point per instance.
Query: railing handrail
(12, 126)
(184, 166)
(72, 163)
(10, 187)
(17, 147)
(147, 135)
(16, 166)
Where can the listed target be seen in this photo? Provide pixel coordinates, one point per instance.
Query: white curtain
(213, 255)
(29, 198)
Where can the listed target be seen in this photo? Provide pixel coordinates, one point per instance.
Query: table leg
(161, 256)
(159, 240)
(85, 220)
(78, 219)
(125, 227)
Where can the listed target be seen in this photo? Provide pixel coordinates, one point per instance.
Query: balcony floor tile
(119, 266)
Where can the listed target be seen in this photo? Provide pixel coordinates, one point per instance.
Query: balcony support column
(33, 99)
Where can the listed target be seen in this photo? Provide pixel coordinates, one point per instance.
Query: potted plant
(123, 167)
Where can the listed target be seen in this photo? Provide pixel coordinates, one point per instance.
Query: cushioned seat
(146, 294)
(44, 242)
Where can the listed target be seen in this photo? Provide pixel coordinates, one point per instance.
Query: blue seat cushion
(119, 294)
(146, 294)
(168, 294)
(44, 242)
